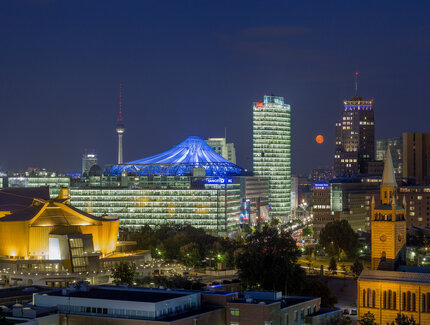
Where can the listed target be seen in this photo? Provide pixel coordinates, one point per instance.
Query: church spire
(388, 176)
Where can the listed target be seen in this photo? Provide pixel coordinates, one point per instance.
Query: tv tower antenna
(356, 84)
(120, 129)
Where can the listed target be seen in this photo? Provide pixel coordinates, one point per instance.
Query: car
(346, 311)
(353, 311)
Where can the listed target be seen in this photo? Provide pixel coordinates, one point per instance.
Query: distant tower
(120, 129)
(88, 161)
(355, 137)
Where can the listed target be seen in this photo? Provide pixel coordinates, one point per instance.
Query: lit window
(234, 312)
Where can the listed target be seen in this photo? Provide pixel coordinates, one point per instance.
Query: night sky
(195, 67)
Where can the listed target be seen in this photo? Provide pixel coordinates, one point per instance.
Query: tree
(402, 319)
(268, 261)
(357, 267)
(333, 266)
(317, 288)
(124, 273)
(367, 319)
(338, 236)
(308, 231)
(190, 254)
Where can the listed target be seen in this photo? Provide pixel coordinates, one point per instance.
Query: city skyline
(62, 66)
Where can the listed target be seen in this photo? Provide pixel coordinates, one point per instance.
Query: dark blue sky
(195, 67)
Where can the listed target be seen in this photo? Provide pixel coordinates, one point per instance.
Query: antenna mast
(356, 84)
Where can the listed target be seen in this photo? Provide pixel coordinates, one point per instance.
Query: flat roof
(22, 291)
(391, 276)
(123, 294)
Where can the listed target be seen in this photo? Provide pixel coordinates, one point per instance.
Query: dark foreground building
(83, 304)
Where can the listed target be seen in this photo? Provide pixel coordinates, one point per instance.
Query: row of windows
(389, 300)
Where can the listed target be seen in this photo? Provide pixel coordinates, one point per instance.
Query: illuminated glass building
(188, 184)
(355, 138)
(223, 148)
(272, 151)
(39, 178)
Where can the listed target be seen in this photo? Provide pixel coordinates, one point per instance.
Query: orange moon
(319, 139)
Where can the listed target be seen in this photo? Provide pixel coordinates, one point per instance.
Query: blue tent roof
(194, 152)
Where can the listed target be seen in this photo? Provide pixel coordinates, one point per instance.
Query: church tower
(388, 224)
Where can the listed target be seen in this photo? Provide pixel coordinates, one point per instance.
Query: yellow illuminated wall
(30, 238)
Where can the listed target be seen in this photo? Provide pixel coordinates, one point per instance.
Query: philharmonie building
(188, 184)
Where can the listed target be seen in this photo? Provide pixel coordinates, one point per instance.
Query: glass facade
(272, 151)
(54, 182)
(176, 201)
(395, 145)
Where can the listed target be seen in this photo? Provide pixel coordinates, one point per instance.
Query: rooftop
(123, 294)
(388, 207)
(398, 276)
(180, 160)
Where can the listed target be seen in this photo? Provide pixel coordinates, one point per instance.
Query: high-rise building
(120, 129)
(223, 148)
(321, 207)
(88, 161)
(272, 151)
(355, 138)
(395, 145)
(416, 156)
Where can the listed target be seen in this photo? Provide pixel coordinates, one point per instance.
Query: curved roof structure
(194, 152)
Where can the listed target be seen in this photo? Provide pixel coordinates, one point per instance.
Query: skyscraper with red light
(355, 138)
(272, 151)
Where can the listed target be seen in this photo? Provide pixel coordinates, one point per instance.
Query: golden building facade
(54, 230)
(390, 288)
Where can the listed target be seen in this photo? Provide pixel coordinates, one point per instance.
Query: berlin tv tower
(120, 129)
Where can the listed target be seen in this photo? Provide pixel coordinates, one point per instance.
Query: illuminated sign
(259, 104)
(219, 180)
(321, 185)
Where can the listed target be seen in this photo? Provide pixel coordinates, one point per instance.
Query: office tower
(351, 197)
(321, 207)
(272, 151)
(120, 129)
(223, 148)
(416, 156)
(395, 145)
(88, 161)
(355, 138)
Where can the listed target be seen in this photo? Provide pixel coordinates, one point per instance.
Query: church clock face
(399, 237)
(383, 238)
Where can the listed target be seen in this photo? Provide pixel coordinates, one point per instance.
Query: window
(408, 304)
(394, 300)
(385, 300)
(390, 294)
(364, 298)
(234, 312)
